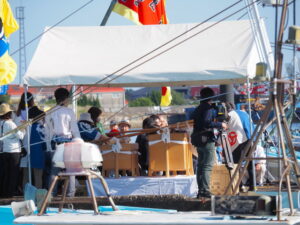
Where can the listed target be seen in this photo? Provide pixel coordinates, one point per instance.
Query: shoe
(243, 189)
(251, 188)
(204, 194)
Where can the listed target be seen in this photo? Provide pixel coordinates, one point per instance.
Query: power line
(50, 28)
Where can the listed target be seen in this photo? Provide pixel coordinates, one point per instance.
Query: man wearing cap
(204, 123)
(124, 126)
(10, 152)
(88, 130)
(114, 129)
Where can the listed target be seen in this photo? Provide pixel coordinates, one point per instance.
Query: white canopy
(225, 53)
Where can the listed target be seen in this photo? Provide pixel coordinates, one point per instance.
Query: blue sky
(41, 13)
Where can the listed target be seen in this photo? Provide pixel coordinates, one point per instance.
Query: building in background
(111, 99)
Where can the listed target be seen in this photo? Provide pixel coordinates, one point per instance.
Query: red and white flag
(142, 12)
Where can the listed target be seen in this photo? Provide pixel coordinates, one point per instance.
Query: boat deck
(149, 218)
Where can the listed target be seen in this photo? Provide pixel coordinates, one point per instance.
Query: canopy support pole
(28, 135)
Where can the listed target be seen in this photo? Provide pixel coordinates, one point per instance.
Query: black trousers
(9, 173)
(236, 154)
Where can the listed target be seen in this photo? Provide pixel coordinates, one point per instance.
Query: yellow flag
(10, 24)
(166, 97)
(8, 69)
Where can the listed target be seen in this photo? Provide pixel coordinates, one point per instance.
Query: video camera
(221, 112)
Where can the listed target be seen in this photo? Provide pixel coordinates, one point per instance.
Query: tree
(177, 98)
(96, 102)
(4, 98)
(128, 94)
(91, 101)
(82, 101)
(155, 97)
(144, 101)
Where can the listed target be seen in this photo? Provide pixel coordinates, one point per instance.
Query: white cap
(86, 117)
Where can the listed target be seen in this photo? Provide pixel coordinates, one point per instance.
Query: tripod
(227, 154)
(227, 150)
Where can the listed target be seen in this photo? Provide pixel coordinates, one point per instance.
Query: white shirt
(61, 121)
(11, 143)
(236, 132)
(259, 153)
(19, 120)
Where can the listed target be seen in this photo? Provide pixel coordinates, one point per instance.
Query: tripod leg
(48, 196)
(92, 194)
(66, 183)
(105, 187)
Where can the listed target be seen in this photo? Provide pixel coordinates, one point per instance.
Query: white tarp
(225, 53)
(175, 185)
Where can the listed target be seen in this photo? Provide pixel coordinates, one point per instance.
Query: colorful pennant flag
(8, 25)
(143, 12)
(166, 97)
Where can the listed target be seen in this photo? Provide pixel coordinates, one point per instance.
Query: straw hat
(86, 117)
(125, 122)
(4, 108)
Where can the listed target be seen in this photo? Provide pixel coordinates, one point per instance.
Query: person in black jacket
(204, 123)
(142, 140)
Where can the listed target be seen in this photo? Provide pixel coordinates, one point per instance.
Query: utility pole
(22, 53)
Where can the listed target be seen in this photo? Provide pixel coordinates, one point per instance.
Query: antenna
(22, 53)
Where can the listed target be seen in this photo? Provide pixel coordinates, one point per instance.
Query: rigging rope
(157, 48)
(50, 28)
(74, 94)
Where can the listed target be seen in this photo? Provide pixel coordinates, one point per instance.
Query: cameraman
(204, 139)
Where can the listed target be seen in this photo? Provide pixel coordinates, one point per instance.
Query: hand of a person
(224, 126)
(257, 166)
(104, 139)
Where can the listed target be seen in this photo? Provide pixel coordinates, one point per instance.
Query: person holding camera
(204, 139)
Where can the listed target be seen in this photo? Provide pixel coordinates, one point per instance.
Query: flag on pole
(166, 96)
(8, 25)
(145, 12)
(142, 12)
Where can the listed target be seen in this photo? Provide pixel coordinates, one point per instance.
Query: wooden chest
(173, 157)
(220, 178)
(124, 160)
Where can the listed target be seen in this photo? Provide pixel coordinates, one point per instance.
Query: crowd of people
(61, 126)
(46, 132)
